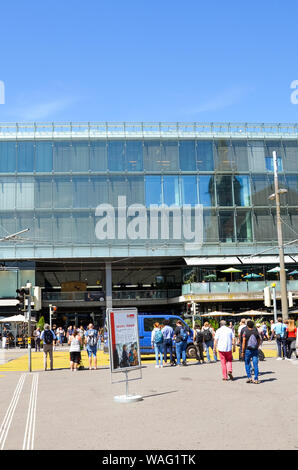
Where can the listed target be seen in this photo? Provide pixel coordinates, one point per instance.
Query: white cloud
(30, 111)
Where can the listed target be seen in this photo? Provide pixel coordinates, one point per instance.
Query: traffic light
(21, 297)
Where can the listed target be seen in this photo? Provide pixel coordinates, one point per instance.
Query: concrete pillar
(108, 285)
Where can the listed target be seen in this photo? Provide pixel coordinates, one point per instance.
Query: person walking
(168, 333)
(36, 335)
(291, 339)
(208, 334)
(48, 337)
(250, 346)
(75, 342)
(181, 334)
(272, 334)
(280, 334)
(224, 341)
(4, 338)
(157, 344)
(240, 334)
(199, 343)
(91, 337)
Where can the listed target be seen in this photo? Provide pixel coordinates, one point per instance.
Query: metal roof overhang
(237, 260)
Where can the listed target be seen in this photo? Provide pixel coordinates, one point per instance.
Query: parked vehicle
(146, 322)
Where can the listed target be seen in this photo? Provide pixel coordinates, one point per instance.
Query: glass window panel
(224, 156)
(134, 155)
(187, 155)
(244, 227)
(270, 164)
(62, 192)
(291, 155)
(153, 193)
(25, 156)
(131, 188)
(7, 157)
(7, 193)
(80, 156)
(241, 187)
(25, 193)
(292, 186)
(7, 224)
(264, 228)
(43, 156)
(189, 190)
(62, 228)
(205, 160)
(211, 234)
(226, 227)
(81, 192)
(43, 227)
(152, 155)
(207, 190)
(82, 229)
(224, 190)
(169, 155)
(135, 190)
(98, 190)
(26, 220)
(43, 193)
(116, 156)
(98, 155)
(241, 155)
(171, 190)
(62, 156)
(256, 154)
(260, 190)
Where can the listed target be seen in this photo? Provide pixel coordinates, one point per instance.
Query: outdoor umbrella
(210, 276)
(275, 270)
(252, 313)
(217, 314)
(294, 272)
(231, 270)
(252, 276)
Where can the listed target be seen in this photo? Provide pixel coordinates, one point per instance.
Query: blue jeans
(254, 355)
(181, 351)
(158, 348)
(281, 346)
(168, 344)
(210, 344)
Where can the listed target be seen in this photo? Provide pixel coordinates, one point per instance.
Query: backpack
(207, 335)
(48, 337)
(158, 337)
(199, 337)
(91, 339)
(252, 342)
(183, 334)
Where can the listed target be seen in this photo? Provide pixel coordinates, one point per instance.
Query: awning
(212, 260)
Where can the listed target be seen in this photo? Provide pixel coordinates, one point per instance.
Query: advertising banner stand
(124, 348)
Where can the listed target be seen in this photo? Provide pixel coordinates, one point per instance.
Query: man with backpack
(91, 338)
(48, 337)
(208, 335)
(199, 343)
(180, 335)
(250, 345)
(168, 332)
(157, 344)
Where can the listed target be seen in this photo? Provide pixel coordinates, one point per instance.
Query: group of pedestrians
(164, 338)
(286, 334)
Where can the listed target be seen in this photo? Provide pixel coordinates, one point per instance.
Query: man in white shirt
(225, 342)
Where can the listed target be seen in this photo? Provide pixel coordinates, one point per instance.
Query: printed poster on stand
(124, 339)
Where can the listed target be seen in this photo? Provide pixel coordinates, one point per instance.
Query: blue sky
(165, 60)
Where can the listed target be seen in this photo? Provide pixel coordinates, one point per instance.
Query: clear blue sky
(149, 60)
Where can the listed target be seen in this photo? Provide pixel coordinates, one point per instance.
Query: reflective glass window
(207, 190)
(71, 156)
(132, 187)
(7, 223)
(25, 157)
(291, 155)
(25, 219)
(224, 156)
(169, 160)
(171, 190)
(244, 226)
(25, 193)
(7, 157)
(81, 192)
(292, 187)
(241, 155)
(98, 155)
(152, 155)
(153, 191)
(241, 186)
(134, 155)
(211, 234)
(62, 228)
(256, 154)
(270, 165)
(189, 189)
(264, 228)
(7, 193)
(224, 190)
(98, 191)
(205, 160)
(43, 227)
(62, 192)
(226, 226)
(80, 156)
(187, 155)
(260, 189)
(81, 227)
(116, 155)
(43, 156)
(43, 193)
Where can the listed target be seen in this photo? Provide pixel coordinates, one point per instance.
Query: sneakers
(230, 376)
(279, 359)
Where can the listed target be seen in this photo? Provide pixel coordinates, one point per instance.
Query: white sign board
(124, 344)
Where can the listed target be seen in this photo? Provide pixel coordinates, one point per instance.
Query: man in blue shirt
(280, 333)
(168, 332)
(91, 338)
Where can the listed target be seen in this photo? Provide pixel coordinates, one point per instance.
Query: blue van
(146, 322)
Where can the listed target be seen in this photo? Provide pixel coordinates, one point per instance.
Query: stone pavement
(182, 408)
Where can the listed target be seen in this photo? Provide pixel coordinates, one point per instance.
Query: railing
(144, 129)
(96, 296)
(233, 287)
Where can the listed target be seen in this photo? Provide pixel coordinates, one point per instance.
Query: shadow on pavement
(158, 394)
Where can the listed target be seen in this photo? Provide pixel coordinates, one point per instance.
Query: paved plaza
(182, 407)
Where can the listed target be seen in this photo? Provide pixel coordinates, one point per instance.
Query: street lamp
(282, 273)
